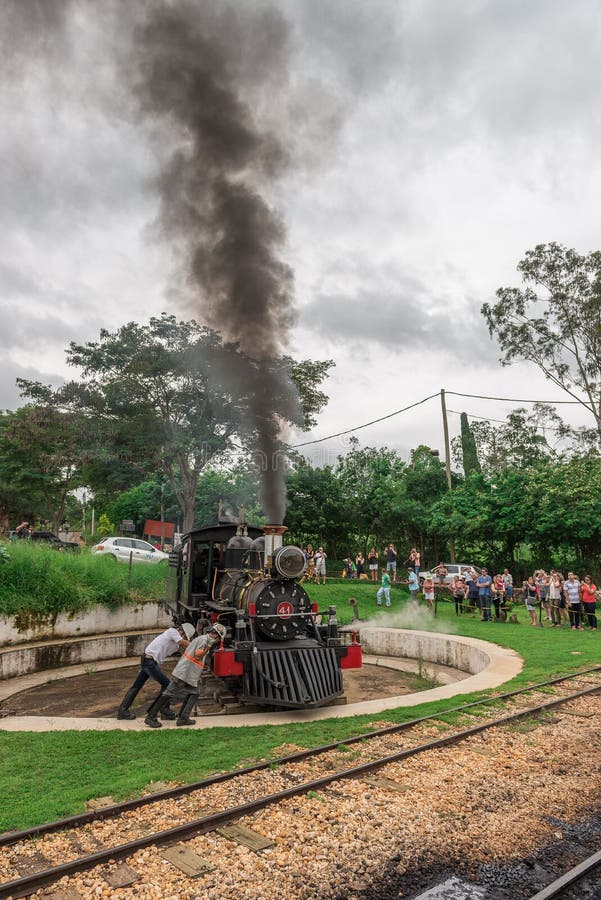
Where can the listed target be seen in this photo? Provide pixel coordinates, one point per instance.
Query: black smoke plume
(194, 88)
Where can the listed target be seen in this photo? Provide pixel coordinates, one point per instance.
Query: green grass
(50, 775)
(39, 582)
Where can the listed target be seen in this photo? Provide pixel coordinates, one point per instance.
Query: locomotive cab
(195, 567)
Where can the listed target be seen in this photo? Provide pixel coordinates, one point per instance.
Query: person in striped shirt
(571, 589)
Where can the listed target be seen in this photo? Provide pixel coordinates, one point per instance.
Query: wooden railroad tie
(386, 784)
(120, 875)
(245, 836)
(65, 894)
(187, 860)
(30, 864)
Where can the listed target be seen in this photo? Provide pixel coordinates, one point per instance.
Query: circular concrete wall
(488, 666)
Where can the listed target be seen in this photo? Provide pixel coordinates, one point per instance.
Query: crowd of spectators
(549, 597)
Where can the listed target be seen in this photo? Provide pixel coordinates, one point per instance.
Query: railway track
(563, 887)
(287, 774)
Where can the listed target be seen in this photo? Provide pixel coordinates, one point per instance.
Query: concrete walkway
(503, 664)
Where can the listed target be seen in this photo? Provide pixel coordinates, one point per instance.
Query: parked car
(452, 570)
(46, 537)
(124, 549)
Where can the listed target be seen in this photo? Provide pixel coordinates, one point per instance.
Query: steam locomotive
(280, 650)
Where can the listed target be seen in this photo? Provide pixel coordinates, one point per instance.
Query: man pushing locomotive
(185, 678)
(155, 654)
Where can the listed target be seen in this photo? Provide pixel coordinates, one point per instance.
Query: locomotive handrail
(291, 616)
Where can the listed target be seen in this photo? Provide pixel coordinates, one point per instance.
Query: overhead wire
(367, 424)
(501, 421)
(397, 412)
(517, 399)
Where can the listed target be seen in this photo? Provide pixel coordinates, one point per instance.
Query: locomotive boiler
(281, 651)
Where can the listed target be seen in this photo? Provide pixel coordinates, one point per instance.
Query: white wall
(98, 620)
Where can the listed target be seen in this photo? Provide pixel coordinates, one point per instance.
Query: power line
(367, 424)
(431, 397)
(503, 421)
(517, 399)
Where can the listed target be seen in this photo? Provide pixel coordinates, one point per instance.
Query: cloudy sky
(430, 144)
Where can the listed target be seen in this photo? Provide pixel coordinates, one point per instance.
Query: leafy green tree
(425, 483)
(372, 483)
(315, 507)
(41, 458)
(235, 487)
(143, 501)
(566, 497)
(170, 397)
(105, 527)
(554, 321)
(518, 443)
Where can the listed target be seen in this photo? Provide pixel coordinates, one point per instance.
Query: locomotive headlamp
(289, 562)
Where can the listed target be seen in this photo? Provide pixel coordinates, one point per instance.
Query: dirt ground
(98, 693)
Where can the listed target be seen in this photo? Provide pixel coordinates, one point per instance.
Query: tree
(141, 502)
(425, 483)
(316, 501)
(567, 500)
(105, 527)
(555, 321)
(371, 484)
(468, 448)
(517, 443)
(170, 397)
(41, 457)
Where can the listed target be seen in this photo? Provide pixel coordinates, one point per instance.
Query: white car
(124, 549)
(452, 570)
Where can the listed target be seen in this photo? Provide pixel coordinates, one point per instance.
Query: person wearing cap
(164, 645)
(186, 677)
(320, 565)
(413, 585)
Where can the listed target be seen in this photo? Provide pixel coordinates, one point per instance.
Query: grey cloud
(511, 69)
(10, 396)
(16, 283)
(23, 329)
(71, 153)
(401, 318)
(351, 43)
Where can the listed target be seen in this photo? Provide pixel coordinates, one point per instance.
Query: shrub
(44, 581)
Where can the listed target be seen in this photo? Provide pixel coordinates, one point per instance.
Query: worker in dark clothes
(157, 651)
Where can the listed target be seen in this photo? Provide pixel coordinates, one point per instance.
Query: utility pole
(447, 453)
(162, 515)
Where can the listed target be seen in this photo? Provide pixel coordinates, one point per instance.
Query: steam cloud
(191, 83)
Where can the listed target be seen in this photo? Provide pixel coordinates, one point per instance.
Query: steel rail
(107, 812)
(22, 887)
(568, 878)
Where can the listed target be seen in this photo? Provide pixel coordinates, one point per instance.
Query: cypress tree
(468, 448)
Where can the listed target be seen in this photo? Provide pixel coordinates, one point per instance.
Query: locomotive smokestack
(198, 80)
(273, 539)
